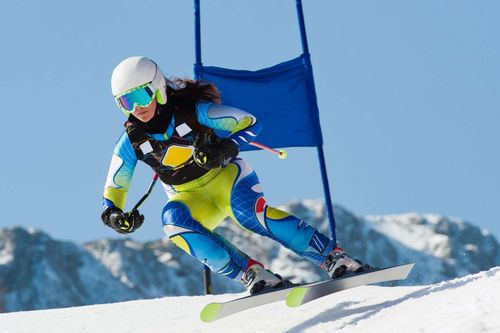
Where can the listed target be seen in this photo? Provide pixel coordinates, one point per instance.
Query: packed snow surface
(468, 304)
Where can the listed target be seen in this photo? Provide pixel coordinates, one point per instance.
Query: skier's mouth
(140, 113)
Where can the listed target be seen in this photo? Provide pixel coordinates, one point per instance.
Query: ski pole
(282, 154)
(153, 182)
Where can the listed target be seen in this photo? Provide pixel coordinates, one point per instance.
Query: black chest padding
(163, 155)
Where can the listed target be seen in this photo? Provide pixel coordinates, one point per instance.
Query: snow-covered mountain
(442, 247)
(38, 272)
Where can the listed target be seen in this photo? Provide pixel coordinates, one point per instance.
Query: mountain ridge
(39, 272)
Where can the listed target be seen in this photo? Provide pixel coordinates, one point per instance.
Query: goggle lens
(140, 97)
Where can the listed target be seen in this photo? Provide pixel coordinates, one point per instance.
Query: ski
(306, 293)
(218, 310)
(297, 295)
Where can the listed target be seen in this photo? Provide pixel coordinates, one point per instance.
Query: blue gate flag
(282, 97)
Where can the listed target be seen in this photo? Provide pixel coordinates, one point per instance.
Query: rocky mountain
(39, 272)
(442, 247)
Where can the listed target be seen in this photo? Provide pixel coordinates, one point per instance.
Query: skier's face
(147, 113)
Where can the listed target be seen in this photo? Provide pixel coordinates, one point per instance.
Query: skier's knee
(175, 215)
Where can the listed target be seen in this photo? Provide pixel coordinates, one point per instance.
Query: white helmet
(136, 71)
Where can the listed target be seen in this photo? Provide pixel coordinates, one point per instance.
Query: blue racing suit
(197, 206)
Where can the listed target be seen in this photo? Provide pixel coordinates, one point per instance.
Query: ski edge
(218, 310)
(296, 296)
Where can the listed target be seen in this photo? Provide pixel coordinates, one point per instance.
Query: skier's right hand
(121, 222)
(213, 155)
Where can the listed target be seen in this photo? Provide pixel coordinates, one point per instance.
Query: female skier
(191, 141)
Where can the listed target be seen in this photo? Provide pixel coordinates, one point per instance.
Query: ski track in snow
(468, 304)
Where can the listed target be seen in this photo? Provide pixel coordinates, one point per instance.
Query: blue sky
(408, 95)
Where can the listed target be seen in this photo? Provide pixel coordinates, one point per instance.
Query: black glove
(124, 223)
(212, 155)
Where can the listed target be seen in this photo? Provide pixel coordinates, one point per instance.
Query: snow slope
(467, 304)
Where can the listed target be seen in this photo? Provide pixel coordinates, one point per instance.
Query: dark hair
(193, 90)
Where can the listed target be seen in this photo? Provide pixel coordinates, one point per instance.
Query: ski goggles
(141, 96)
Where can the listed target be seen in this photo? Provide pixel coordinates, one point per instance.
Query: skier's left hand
(213, 155)
(124, 223)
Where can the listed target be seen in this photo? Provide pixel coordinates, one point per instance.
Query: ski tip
(409, 267)
(295, 297)
(209, 312)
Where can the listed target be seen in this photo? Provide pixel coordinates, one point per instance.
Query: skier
(180, 129)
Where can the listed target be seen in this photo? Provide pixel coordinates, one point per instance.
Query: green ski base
(295, 297)
(209, 312)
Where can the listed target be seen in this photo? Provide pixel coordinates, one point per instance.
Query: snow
(468, 304)
(406, 229)
(7, 254)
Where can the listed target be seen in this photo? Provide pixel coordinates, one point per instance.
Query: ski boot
(338, 263)
(257, 279)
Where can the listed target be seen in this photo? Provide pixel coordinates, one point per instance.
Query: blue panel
(282, 97)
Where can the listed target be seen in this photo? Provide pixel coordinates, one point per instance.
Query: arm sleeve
(233, 123)
(120, 174)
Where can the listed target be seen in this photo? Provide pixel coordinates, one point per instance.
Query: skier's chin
(144, 116)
